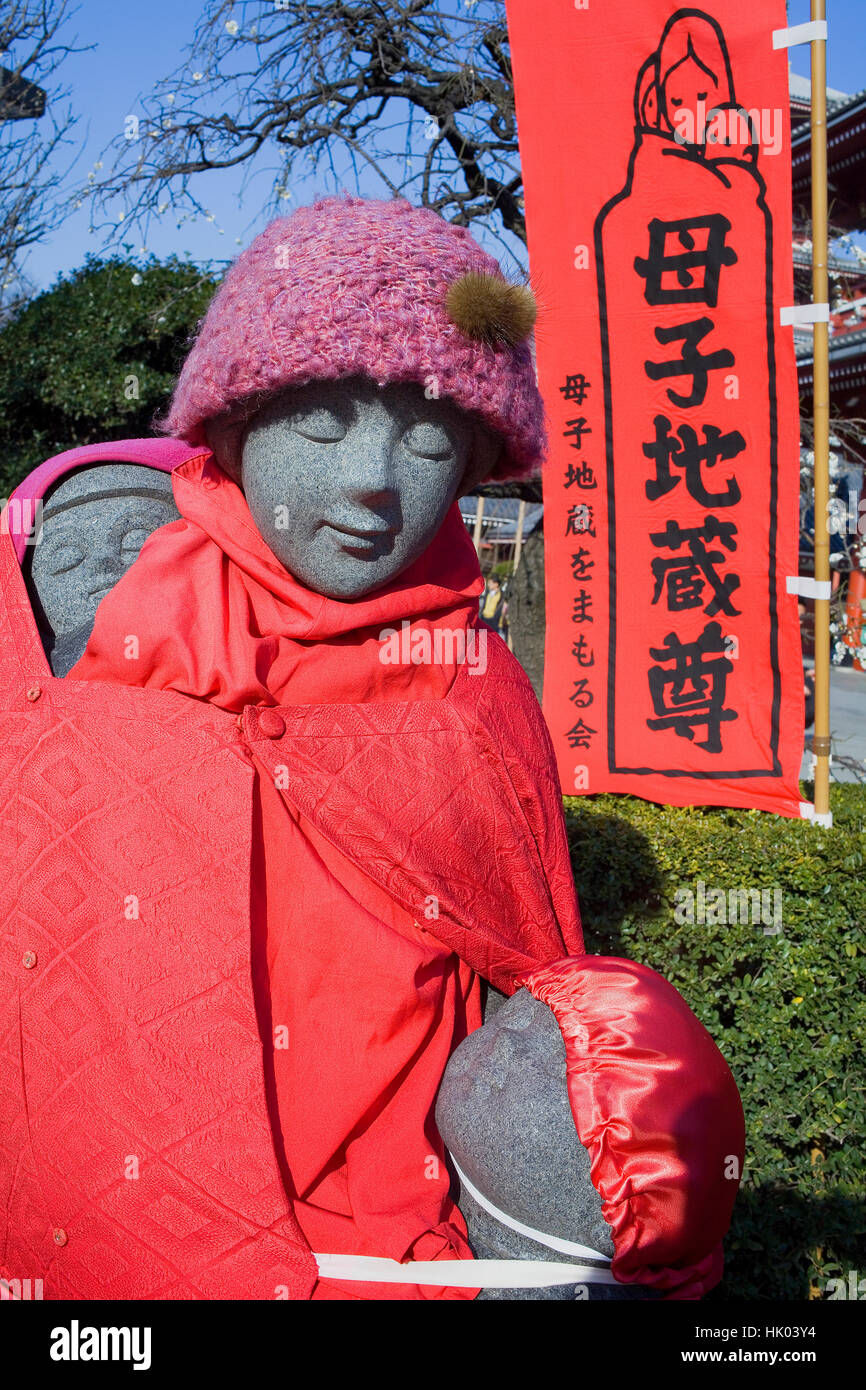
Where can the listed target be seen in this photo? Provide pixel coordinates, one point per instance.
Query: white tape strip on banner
(461, 1274)
(802, 315)
(806, 587)
(813, 32)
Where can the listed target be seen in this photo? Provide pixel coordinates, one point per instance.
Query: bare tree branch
(30, 175)
(413, 99)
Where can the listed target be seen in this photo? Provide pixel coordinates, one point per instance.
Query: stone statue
(348, 483)
(94, 523)
(504, 1114)
(362, 365)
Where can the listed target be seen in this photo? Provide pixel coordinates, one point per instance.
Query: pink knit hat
(356, 286)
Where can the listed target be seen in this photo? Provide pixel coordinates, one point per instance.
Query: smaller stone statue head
(504, 1114)
(94, 522)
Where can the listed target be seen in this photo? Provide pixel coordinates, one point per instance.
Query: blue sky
(137, 43)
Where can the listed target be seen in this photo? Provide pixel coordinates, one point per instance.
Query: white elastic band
(812, 32)
(461, 1274)
(477, 1274)
(563, 1247)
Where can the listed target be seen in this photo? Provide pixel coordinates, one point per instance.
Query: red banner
(655, 146)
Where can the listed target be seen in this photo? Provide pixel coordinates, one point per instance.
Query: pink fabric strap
(18, 519)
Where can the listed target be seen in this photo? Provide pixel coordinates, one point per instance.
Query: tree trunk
(526, 609)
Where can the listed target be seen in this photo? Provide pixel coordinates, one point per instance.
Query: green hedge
(94, 357)
(787, 1010)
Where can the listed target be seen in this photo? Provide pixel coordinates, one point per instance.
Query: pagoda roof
(836, 265)
(846, 161)
(800, 92)
(847, 370)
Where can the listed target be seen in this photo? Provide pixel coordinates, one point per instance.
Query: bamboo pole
(479, 517)
(821, 405)
(518, 535)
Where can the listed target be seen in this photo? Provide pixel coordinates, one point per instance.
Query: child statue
(94, 522)
(576, 1135)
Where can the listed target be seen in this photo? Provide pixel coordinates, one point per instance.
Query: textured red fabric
(136, 1157)
(658, 1110)
(448, 805)
(364, 1010)
(415, 792)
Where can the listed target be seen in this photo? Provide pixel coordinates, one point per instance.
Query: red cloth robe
(409, 837)
(397, 847)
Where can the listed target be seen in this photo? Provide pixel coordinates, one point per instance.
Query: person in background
(493, 606)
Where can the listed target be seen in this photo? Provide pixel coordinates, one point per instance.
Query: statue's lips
(357, 537)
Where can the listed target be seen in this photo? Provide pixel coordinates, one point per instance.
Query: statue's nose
(369, 466)
(104, 568)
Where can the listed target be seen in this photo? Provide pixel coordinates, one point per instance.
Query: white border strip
(461, 1274)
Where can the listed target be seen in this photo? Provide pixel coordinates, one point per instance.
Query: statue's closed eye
(133, 541)
(428, 440)
(320, 424)
(66, 557)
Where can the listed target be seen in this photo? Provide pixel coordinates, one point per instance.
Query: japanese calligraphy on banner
(655, 148)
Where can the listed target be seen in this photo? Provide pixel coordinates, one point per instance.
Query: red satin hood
(657, 1109)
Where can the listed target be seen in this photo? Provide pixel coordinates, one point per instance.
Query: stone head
(349, 482)
(94, 523)
(504, 1114)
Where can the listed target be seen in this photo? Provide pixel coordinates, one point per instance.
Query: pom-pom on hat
(358, 286)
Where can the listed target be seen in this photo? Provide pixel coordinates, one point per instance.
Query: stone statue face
(348, 482)
(94, 523)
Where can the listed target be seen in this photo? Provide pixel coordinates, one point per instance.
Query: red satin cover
(656, 1106)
